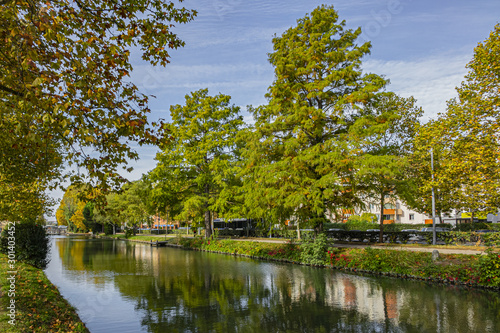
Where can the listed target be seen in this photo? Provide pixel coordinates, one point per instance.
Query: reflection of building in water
(342, 291)
(363, 296)
(147, 256)
(347, 292)
(391, 304)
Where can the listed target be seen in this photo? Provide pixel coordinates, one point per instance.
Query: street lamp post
(433, 202)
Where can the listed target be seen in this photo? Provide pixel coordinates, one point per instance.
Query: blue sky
(422, 46)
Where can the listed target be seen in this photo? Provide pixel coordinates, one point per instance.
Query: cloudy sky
(422, 46)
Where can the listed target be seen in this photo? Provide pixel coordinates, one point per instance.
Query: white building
(395, 211)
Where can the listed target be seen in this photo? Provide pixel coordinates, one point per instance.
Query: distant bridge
(56, 229)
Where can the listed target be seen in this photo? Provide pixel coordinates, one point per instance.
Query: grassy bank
(39, 305)
(470, 270)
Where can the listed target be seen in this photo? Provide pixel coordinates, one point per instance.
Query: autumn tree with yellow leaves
(65, 92)
(468, 135)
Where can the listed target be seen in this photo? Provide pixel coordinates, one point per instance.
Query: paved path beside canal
(396, 247)
(444, 250)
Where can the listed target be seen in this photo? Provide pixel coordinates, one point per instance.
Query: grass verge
(39, 305)
(481, 271)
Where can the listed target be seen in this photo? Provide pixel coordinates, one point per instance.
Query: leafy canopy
(196, 170)
(64, 88)
(384, 139)
(299, 159)
(468, 134)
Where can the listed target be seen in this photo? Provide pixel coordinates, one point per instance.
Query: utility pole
(433, 202)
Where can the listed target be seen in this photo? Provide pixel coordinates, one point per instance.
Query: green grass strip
(38, 304)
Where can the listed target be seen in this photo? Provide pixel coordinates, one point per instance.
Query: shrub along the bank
(290, 251)
(313, 250)
(363, 226)
(479, 270)
(463, 237)
(477, 226)
(30, 243)
(449, 268)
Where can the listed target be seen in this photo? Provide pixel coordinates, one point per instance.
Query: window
(412, 217)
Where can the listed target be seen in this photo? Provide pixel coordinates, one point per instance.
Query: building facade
(395, 211)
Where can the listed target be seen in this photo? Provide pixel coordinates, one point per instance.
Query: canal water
(120, 286)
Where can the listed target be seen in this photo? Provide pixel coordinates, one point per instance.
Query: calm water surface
(118, 286)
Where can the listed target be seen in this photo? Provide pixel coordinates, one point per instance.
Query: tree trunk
(381, 234)
(208, 226)
(318, 223)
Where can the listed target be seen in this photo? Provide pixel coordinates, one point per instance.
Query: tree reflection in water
(185, 291)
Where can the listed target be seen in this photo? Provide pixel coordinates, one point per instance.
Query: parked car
(409, 230)
(485, 231)
(414, 237)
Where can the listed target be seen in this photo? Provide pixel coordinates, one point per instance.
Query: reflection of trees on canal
(176, 290)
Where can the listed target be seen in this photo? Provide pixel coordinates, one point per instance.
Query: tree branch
(9, 90)
(4, 2)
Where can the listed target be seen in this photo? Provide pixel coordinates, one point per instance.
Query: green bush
(29, 241)
(494, 226)
(129, 232)
(488, 267)
(108, 229)
(315, 251)
(358, 223)
(472, 226)
(327, 226)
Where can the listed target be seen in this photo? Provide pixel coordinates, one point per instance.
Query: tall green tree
(418, 190)
(135, 203)
(88, 217)
(196, 170)
(469, 134)
(64, 88)
(384, 138)
(300, 157)
(109, 213)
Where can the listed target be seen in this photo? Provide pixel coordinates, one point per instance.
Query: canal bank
(31, 303)
(463, 267)
(120, 286)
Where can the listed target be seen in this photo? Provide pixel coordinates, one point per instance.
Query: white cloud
(431, 80)
(150, 78)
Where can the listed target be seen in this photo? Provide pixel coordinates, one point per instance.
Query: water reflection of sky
(99, 304)
(126, 287)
